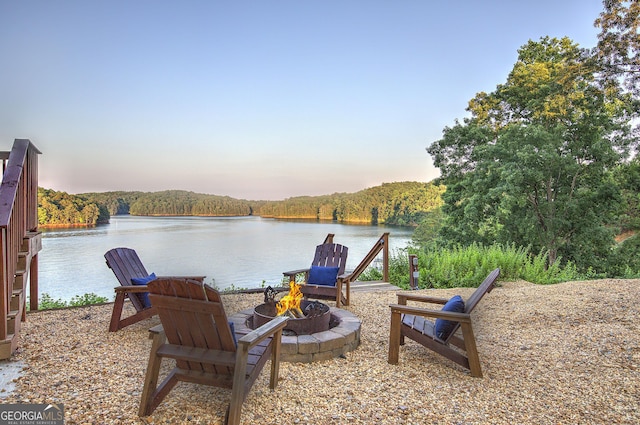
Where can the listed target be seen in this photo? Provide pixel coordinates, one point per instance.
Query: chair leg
(471, 349)
(275, 359)
(348, 294)
(237, 392)
(118, 305)
(151, 378)
(394, 337)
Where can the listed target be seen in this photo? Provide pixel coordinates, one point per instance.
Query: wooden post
(33, 283)
(385, 256)
(414, 273)
(4, 284)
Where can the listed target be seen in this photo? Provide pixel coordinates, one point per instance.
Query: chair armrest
(438, 314)
(144, 288)
(295, 272)
(198, 278)
(403, 297)
(268, 329)
(156, 330)
(132, 288)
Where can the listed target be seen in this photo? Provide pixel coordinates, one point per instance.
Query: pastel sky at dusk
(255, 99)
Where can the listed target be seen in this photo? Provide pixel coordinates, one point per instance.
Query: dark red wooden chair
(196, 334)
(126, 265)
(327, 255)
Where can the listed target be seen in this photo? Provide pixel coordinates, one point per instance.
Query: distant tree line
(62, 209)
(403, 204)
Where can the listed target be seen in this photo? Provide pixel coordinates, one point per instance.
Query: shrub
(47, 302)
(468, 266)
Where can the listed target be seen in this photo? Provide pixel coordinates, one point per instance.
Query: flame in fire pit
(291, 301)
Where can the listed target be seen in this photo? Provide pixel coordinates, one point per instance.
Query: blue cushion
(323, 276)
(143, 296)
(444, 327)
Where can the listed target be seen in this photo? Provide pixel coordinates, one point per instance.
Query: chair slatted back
(125, 264)
(192, 315)
(331, 255)
(487, 285)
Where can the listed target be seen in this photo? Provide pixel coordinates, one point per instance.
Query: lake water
(244, 252)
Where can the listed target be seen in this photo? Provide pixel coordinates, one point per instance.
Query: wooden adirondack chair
(196, 334)
(408, 321)
(327, 255)
(126, 265)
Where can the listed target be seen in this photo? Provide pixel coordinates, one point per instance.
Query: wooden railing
(382, 244)
(20, 240)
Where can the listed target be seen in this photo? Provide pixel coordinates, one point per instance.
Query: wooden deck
(372, 286)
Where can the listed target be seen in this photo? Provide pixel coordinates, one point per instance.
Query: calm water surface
(231, 251)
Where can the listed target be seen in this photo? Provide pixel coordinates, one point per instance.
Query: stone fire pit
(342, 335)
(307, 325)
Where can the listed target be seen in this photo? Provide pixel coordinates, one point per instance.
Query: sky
(257, 100)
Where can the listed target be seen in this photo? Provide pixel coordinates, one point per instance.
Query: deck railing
(18, 222)
(382, 244)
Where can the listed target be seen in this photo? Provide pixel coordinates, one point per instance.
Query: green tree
(531, 165)
(627, 178)
(426, 233)
(60, 208)
(619, 42)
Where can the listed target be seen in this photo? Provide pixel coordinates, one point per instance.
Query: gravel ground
(558, 354)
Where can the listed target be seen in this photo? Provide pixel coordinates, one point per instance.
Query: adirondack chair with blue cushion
(439, 336)
(133, 278)
(325, 278)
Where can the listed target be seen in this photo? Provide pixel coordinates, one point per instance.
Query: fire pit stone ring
(343, 336)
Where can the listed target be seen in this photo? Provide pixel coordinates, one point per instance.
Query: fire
(291, 302)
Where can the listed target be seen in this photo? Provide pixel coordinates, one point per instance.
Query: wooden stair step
(8, 345)
(20, 279)
(16, 299)
(13, 321)
(23, 260)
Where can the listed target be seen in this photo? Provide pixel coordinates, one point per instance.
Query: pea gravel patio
(558, 354)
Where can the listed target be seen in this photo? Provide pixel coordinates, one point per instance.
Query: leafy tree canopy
(619, 42)
(530, 165)
(62, 209)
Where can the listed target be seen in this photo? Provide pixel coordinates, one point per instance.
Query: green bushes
(468, 266)
(46, 302)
